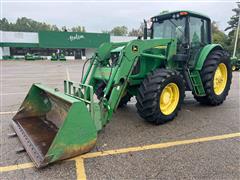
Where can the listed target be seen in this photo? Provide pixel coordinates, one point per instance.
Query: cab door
(199, 36)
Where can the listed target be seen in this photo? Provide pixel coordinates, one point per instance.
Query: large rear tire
(160, 96)
(216, 75)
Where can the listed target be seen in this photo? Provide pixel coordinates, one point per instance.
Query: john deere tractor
(174, 56)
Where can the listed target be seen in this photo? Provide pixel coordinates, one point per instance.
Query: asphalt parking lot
(215, 157)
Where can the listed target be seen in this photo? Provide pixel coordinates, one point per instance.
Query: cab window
(198, 32)
(170, 28)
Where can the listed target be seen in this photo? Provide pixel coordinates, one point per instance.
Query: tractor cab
(191, 30)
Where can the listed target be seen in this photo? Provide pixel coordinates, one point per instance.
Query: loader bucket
(53, 126)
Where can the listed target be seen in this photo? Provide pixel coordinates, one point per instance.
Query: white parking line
(7, 94)
(8, 112)
(67, 72)
(29, 84)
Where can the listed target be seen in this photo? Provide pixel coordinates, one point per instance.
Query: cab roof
(169, 14)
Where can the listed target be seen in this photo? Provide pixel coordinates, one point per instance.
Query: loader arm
(117, 76)
(52, 125)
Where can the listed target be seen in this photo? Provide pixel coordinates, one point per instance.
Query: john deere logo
(76, 37)
(134, 48)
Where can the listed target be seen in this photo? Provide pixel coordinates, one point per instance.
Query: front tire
(160, 96)
(216, 75)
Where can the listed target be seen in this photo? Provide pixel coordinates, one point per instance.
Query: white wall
(69, 57)
(89, 52)
(19, 37)
(122, 38)
(32, 37)
(4, 51)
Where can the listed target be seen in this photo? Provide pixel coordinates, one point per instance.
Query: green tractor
(56, 57)
(62, 57)
(177, 56)
(33, 57)
(235, 64)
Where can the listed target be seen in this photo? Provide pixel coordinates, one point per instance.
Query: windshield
(170, 28)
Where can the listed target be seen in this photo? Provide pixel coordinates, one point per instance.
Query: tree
(83, 29)
(106, 31)
(29, 25)
(218, 36)
(54, 28)
(4, 24)
(134, 32)
(26, 25)
(137, 32)
(233, 22)
(78, 29)
(232, 26)
(64, 29)
(119, 31)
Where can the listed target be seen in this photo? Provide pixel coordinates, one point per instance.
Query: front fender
(204, 53)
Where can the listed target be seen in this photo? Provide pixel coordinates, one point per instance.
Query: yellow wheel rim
(220, 79)
(169, 98)
(233, 68)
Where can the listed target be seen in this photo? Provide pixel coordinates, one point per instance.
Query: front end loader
(177, 57)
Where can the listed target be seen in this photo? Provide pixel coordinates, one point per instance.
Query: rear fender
(204, 53)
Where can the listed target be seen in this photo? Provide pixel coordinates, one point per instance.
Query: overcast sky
(98, 16)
